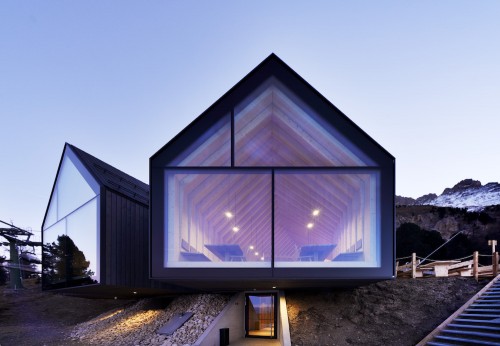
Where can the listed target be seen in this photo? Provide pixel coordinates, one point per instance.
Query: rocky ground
(399, 312)
(138, 324)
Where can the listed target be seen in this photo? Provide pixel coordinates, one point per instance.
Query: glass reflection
(64, 264)
(82, 228)
(72, 189)
(70, 249)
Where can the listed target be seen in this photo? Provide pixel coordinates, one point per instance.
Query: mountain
(468, 193)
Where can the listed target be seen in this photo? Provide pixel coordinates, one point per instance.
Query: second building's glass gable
(71, 191)
(71, 227)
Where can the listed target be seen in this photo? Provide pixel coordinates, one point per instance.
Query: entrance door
(261, 315)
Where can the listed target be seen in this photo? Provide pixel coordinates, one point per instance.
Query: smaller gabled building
(95, 229)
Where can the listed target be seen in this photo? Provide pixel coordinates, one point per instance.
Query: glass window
(274, 128)
(72, 189)
(326, 219)
(70, 247)
(83, 240)
(260, 314)
(218, 219)
(53, 268)
(71, 230)
(51, 217)
(213, 148)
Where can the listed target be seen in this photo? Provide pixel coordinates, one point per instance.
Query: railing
(418, 267)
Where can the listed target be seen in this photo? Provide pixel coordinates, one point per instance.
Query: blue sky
(119, 79)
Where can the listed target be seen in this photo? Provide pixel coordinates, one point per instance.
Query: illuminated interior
(271, 184)
(260, 315)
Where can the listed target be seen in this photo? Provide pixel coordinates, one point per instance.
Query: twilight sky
(119, 79)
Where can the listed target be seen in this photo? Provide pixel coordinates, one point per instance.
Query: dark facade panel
(126, 242)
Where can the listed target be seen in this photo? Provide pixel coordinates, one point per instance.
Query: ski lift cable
(429, 255)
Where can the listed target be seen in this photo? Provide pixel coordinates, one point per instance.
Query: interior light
(262, 258)
(228, 214)
(310, 225)
(134, 292)
(236, 229)
(256, 253)
(274, 286)
(251, 247)
(315, 212)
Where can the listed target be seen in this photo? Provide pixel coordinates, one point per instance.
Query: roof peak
(111, 177)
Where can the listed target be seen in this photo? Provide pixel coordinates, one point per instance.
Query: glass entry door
(261, 315)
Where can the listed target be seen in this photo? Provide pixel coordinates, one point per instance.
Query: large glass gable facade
(271, 185)
(273, 127)
(71, 227)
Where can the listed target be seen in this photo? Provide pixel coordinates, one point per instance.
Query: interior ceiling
(274, 131)
(271, 131)
(207, 197)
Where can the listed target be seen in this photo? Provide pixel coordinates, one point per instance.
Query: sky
(119, 79)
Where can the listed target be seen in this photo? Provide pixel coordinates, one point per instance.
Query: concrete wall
(232, 317)
(283, 325)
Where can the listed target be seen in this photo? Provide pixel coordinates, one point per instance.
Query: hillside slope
(399, 312)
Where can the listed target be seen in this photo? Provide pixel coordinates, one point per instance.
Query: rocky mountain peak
(463, 185)
(468, 193)
(425, 199)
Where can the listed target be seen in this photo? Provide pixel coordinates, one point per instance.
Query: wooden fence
(417, 267)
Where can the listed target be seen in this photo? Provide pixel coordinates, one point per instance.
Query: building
(272, 186)
(95, 230)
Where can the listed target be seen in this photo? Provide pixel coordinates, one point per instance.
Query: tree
(411, 238)
(64, 262)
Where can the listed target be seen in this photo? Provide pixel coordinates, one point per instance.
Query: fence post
(475, 266)
(495, 264)
(413, 265)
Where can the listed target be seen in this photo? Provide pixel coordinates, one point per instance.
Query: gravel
(139, 323)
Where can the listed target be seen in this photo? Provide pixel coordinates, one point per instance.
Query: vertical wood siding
(126, 242)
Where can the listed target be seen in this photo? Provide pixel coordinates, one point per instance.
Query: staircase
(475, 323)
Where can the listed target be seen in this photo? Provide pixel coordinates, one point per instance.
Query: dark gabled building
(272, 186)
(95, 230)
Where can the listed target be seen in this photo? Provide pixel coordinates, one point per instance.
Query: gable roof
(113, 178)
(273, 67)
